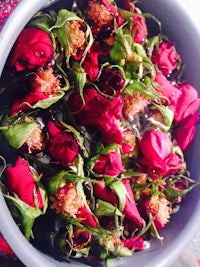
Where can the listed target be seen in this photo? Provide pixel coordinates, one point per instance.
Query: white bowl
(178, 25)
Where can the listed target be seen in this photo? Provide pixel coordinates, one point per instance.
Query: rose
(103, 192)
(5, 250)
(71, 203)
(158, 159)
(61, 146)
(110, 81)
(20, 181)
(139, 27)
(44, 85)
(165, 57)
(98, 111)
(187, 103)
(134, 243)
(168, 90)
(185, 131)
(33, 49)
(108, 164)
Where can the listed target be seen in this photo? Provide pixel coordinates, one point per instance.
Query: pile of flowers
(97, 117)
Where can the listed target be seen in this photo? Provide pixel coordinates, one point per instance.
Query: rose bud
(101, 14)
(45, 90)
(61, 145)
(20, 181)
(188, 102)
(81, 238)
(165, 57)
(108, 164)
(25, 133)
(158, 207)
(185, 131)
(33, 49)
(103, 192)
(98, 111)
(71, 202)
(110, 81)
(134, 243)
(134, 104)
(5, 250)
(168, 90)
(91, 62)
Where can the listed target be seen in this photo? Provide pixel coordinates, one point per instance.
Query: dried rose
(61, 146)
(108, 164)
(98, 111)
(20, 181)
(184, 133)
(45, 90)
(33, 49)
(165, 57)
(71, 202)
(188, 102)
(168, 90)
(102, 191)
(134, 243)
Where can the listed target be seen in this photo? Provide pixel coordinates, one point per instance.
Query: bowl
(177, 23)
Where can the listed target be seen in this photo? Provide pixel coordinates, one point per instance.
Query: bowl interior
(184, 223)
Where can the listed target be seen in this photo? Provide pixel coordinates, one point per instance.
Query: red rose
(100, 112)
(134, 243)
(20, 181)
(109, 164)
(185, 131)
(187, 103)
(43, 86)
(165, 57)
(61, 145)
(33, 49)
(167, 90)
(5, 250)
(130, 211)
(91, 63)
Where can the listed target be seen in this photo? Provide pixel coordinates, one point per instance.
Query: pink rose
(185, 131)
(109, 164)
(188, 102)
(139, 28)
(61, 146)
(20, 181)
(157, 159)
(100, 112)
(130, 211)
(5, 250)
(44, 85)
(134, 243)
(165, 57)
(168, 90)
(33, 49)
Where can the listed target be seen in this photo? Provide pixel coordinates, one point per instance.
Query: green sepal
(104, 208)
(18, 132)
(61, 30)
(119, 189)
(24, 214)
(167, 114)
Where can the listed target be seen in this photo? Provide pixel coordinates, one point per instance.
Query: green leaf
(18, 132)
(104, 208)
